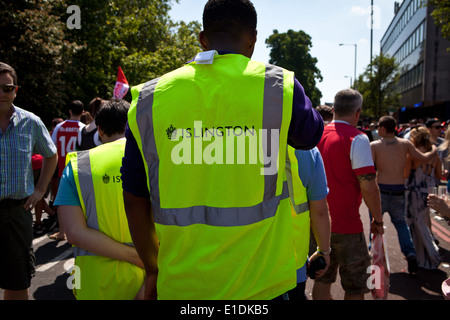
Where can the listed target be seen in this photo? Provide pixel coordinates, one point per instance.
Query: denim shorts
(351, 256)
(17, 260)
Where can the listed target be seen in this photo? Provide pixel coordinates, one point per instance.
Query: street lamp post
(351, 82)
(356, 54)
(371, 33)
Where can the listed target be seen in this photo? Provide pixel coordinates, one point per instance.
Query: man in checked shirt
(21, 134)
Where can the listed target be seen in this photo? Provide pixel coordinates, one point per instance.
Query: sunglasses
(7, 88)
(437, 127)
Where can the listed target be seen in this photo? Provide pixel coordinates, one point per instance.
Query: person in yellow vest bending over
(204, 167)
(91, 207)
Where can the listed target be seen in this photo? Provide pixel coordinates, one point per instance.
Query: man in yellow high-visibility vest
(91, 207)
(204, 167)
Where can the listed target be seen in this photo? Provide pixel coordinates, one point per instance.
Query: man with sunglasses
(21, 134)
(434, 126)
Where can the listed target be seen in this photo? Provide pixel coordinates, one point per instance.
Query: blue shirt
(25, 135)
(67, 194)
(312, 173)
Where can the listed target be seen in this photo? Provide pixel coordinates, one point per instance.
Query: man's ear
(255, 38)
(100, 131)
(203, 40)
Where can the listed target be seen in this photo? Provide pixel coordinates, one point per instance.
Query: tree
(378, 86)
(136, 35)
(33, 41)
(441, 15)
(57, 64)
(290, 50)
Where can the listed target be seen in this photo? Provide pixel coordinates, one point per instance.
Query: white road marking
(37, 241)
(69, 264)
(55, 260)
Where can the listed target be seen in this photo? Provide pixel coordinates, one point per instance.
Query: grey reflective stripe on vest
(272, 119)
(87, 188)
(144, 119)
(220, 217)
(88, 195)
(299, 208)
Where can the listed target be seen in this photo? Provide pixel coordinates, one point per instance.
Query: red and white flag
(121, 88)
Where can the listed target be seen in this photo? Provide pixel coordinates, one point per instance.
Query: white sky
(328, 22)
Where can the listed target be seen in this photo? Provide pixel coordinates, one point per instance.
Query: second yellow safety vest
(299, 208)
(98, 181)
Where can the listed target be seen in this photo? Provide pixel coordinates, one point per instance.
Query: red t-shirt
(346, 154)
(65, 136)
(36, 161)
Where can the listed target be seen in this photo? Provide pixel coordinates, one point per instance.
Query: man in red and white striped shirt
(65, 136)
(351, 177)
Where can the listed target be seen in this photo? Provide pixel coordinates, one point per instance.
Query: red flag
(121, 88)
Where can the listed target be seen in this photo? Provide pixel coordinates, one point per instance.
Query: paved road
(425, 285)
(54, 258)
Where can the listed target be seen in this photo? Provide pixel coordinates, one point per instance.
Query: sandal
(57, 237)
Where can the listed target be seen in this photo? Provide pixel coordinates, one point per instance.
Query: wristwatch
(324, 253)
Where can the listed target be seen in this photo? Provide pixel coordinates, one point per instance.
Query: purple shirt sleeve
(305, 131)
(306, 128)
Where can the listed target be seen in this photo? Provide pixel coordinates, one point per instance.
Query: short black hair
(76, 107)
(6, 68)
(229, 16)
(112, 116)
(94, 106)
(432, 121)
(389, 123)
(326, 112)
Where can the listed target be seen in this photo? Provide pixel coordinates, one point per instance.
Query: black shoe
(412, 264)
(50, 223)
(38, 229)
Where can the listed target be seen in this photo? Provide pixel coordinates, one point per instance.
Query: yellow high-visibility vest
(299, 208)
(98, 180)
(220, 198)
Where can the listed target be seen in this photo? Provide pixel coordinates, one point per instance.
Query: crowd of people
(144, 227)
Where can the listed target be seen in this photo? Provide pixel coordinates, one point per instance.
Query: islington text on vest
(228, 145)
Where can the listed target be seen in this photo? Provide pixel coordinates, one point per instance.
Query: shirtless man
(389, 155)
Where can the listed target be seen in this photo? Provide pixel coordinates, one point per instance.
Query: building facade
(418, 46)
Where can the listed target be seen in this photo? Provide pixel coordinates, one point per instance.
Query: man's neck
(106, 139)
(6, 114)
(388, 136)
(345, 119)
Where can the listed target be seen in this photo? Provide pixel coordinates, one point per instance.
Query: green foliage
(56, 65)
(136, 35)
(33, 41)
(378, 86)
(441, 15)
(290, 50)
